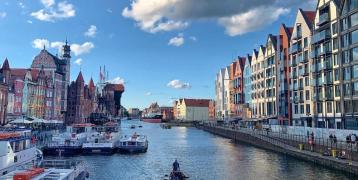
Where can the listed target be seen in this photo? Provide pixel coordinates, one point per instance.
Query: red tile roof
(197, 102)
(18, 72)
(310, 15)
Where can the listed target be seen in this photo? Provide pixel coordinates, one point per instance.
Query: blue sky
(161, 49)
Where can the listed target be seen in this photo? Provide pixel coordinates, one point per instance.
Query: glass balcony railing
(317, 37)
(293, 62)
(323, 18)
(294, 48)
(300, 59)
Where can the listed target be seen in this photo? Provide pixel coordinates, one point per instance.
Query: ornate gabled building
(81, 99)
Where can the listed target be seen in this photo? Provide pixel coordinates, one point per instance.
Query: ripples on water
(201, 156)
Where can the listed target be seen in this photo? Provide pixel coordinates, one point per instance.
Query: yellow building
(191, 109)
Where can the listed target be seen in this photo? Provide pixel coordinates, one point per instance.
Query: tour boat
(16, 149)
(69, 143)
(153, 118)
(50, 169)
(133, 144)
(104, 141)
(165, 126)
(177, 175)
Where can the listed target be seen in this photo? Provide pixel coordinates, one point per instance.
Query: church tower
(66, 56)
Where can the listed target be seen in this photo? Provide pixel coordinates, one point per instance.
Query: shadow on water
(201, 156)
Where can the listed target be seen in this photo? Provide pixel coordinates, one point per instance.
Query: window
(296, 109)
(329, 107)
(348, 106)
(345, 57)
(338, 107)
(354, 54)
(355, 89)
(354, 19)
(319, 107)
(337, 91)
(335, 43)
(354, 36)
(345, 40)
(307, 95)
(305, 42)
(347, 73)
(335, 59)
(346, 89)
(355, 71)
(334, 28)
(336, 74)
(307, 82)
(308, 109)
(344, 24)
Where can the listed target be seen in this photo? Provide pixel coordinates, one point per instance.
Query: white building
(222, 90)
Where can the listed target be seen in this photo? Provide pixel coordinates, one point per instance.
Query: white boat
(50, 169)
(134, 143)
(104, 141)
(69, 143)
(16, 149)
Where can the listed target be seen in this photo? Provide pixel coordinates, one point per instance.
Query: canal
(201, 156)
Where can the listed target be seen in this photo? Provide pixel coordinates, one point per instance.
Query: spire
(5, 65)
(79, 77)
(91, 83)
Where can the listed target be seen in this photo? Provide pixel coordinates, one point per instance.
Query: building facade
(237, 87)
(222, 88)
(192, 109)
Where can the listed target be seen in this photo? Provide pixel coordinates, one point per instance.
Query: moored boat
(177, 175)
(69, 143)
(153, 118)
(133, 144)
(16, 149)
(105, 141)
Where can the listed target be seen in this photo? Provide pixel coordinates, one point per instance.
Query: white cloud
(243, 23)
(77, 49)
(177, 40)
(167, 15)
(3, 14)
(78, 61)
(40, 43)
(116, 80)
(177, 84)
(91, 32)
(84, 48)
(29, 21)
(148, 93)
(48, 3)
(51, 12)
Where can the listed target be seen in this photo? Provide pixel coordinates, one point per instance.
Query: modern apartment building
(301, 89)
(348, 31)
(325, 68)
(258, 87)
(222, 88)
(284, 109)
(237, 87)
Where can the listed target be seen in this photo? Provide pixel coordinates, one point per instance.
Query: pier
(296, 146)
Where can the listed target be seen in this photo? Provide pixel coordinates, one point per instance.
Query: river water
(201, 156)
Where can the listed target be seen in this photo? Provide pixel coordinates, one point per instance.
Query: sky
(160, 50)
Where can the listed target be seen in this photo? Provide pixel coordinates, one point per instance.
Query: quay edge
(341, 165)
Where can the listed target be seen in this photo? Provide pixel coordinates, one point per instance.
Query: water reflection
(201, 156)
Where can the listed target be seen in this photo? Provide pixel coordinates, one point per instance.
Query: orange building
(237, 87)
(211, 110)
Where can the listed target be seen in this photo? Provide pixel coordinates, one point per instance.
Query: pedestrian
(331, 138)
(334, 139)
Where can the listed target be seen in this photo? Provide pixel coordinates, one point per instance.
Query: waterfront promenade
(316, 150)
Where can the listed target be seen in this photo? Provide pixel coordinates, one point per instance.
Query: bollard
(334, 153)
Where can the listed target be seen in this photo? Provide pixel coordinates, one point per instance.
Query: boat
(50, 169)
(69, 143)
(140, 126)
(132, 126)
(177, 175)
(104, 141)
(133, 144)
(165, 126)
(17, 149)
(153, 118)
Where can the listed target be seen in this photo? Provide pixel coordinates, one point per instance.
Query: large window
(319, 107)
(344, 24)
(355, 89)
(354, 19)
(354, 53)
(347, 73)
(308, 109)
(334, 28)
(307, 95)
(348, 106)
(329, 107)
(345, 57)
(338, 107)
(337, 91)
(347, 89)
(354, 36)
(355, 71)
(335, 59)
(335, 43)
(336, 74)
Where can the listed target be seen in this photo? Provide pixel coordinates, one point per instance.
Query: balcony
(300, 59)
(293, 62)
(294, 49)
(323, 18)
(320, 36)
(297, 35)
(313, 54)
(294, 75)
(328, 65)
